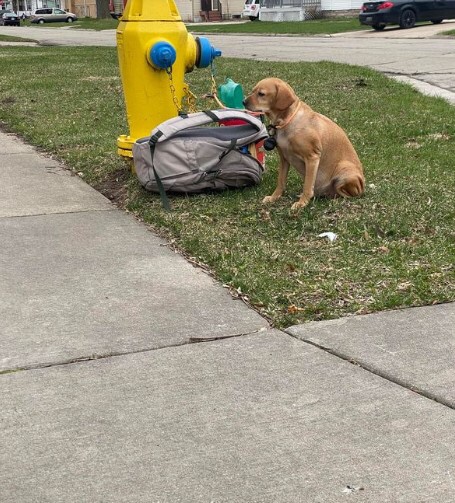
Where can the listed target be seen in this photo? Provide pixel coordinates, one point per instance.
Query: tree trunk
(102, 9)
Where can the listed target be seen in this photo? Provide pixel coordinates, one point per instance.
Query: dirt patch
(115, 187)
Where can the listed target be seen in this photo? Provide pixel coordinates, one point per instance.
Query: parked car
(41, 16)
(405, 13)
(9, 18)
(251, 9)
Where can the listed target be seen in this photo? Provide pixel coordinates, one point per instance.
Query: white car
(251, 9)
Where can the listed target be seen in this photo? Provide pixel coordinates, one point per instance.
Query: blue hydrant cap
(207, 53)
(163, 54)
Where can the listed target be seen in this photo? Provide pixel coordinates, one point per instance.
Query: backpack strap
(230, 149)
(163, 196)
(211, 115)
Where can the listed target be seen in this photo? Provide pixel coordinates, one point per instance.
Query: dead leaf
(293, 309)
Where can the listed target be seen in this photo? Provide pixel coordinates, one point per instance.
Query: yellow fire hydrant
(155, 51)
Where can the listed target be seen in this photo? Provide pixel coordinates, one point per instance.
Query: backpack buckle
(154, 138)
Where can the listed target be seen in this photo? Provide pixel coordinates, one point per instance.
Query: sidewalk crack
(115, 354)
(378, 372)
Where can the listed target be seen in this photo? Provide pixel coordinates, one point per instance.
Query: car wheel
(436, 21)
(407, 19)
(254, 18)
(378, 27)
(41, 21)
(69, 19)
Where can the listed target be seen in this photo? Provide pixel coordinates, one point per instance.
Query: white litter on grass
(331, 236)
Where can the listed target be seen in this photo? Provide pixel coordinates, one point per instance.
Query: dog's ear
(285, 97)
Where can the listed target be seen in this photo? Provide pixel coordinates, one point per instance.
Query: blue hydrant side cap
(207, 53)
(163, 55)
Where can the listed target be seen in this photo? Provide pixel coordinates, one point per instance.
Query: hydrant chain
(190, 99)
(173, 91)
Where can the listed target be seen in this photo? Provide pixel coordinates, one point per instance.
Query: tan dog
(317, 147)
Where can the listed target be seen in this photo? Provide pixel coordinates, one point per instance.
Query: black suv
(405, 13)
(9, 18)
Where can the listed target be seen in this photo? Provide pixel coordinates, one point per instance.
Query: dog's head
(270, 96)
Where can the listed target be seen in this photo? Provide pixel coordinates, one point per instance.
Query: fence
(290, 10)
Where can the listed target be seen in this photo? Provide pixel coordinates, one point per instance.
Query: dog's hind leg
(348, 183)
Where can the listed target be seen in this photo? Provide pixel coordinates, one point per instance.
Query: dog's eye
(261, 94)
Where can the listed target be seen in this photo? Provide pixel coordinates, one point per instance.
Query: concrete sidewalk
(107, 396)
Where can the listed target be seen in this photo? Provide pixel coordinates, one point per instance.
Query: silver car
(52, 15)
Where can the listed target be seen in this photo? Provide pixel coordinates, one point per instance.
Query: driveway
(424, 30)
(61, 36)
(418, 56)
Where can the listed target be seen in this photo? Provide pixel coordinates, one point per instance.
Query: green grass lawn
(395, 245)
(310, 27)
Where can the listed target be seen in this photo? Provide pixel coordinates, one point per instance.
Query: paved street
(417, 54)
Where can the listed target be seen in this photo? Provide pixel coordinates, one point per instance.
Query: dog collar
(270, 143)
(282, 126)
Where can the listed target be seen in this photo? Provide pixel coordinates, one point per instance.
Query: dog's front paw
(269, 199)
(299, 205)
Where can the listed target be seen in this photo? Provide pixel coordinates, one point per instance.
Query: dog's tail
(349, 185)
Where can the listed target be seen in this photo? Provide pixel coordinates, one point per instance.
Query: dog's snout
(247, 103)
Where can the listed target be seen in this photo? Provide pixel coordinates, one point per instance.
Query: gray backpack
(180, 156)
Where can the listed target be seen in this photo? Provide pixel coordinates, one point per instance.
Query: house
(209, 10)
(189, 10)
(200, 10)
(27, 7)
(271, 10)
